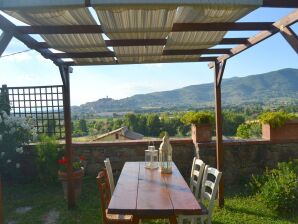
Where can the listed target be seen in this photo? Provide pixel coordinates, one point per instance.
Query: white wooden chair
(196, 175)
(110, 174)
(208, 192)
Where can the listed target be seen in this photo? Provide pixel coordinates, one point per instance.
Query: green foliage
(201, 117)
(278, 188)
(4, 100)
(14, 133)
(276, 119)
(231, 121)
(48, 152)
(249, 130)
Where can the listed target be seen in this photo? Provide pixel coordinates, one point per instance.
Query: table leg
(173, 219)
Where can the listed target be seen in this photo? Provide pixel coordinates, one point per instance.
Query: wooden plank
(177, 27)
(280, 3)
(10, 28)
(68, 139)
(291, 37)
(111, 54)
(220, 72)
(183, 200)
(5, 38)
(218, 119)
(153, 196)
(124, 198)
(284, 22)
(1, 204)
(227, 26)
(145, 42)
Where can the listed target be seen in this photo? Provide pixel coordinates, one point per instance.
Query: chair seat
(116, 218)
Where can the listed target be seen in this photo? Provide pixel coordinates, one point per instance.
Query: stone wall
(241, 158)
(120, 152)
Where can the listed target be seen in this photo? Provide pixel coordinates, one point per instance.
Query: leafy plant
(76, 165)
(249, 130)
(48, 152)
(278, 188)
(14, 133)
(201, 117)
(276, 119)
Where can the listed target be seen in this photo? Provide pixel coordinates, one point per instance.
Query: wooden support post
(219, 69)
(290, 36)
(1, 205)
(5, 38)
(64, 70)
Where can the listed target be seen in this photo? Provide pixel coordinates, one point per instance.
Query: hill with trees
(277, 86)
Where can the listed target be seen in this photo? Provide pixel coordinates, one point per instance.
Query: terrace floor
(35, 203)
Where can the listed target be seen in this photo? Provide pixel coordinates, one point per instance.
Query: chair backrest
(104, 190)
(110, 174)
(210, 183)
(196, 175)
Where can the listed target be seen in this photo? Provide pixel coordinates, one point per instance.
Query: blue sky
(89, 83)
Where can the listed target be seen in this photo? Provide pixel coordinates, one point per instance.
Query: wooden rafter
(10, 28)
(220, 72)
(280, 3)
(284, 22)
(291, 37)
(177, 27)
(111, 54)
(5, 38)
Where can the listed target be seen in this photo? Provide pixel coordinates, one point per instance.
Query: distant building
(122, 133)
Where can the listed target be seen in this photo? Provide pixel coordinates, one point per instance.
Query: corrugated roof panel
(138, 50)
(64, 42)
(136, 23)
(204, 14)
(97, 61)
(157, 59)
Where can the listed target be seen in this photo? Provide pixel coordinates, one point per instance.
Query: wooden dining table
(148, 194)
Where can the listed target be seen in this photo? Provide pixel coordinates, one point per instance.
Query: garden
(271, 197)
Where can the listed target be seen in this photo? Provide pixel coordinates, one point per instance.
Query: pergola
(140, 31)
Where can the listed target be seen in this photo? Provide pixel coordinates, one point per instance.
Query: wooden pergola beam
(218, 73)
(111, 54)
(177, 27)
(5, 39)
(277, 26)
(291, 37)
(280, 3)
(200, 59)
(9, 28)
(1, 204)
(64, 72)
(146, 42)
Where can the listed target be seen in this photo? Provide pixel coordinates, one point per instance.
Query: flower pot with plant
(279, 126)
(201, 129)
(77, 175)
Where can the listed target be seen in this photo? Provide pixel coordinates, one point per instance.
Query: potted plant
(201, 130)
(279, 126)
(77, 175)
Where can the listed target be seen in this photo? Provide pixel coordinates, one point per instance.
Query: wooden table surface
(148, 193)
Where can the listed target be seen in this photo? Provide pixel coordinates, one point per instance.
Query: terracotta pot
(77, 181)
(289, 131)
(201, 133)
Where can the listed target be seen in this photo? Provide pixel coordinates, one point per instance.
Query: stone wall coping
(175, 141)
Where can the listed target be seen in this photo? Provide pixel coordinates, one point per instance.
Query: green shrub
(201, 117)
(249, 130)
(276, 119)
(278, 188)
(48, 152)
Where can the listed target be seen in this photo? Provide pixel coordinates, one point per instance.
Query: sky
(90, 83)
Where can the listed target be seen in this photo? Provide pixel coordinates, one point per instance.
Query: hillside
(275, 86)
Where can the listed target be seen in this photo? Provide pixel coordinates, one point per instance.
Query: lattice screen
(44, 104)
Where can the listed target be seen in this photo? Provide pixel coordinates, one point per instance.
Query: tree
(153, 125)
(83, 126)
